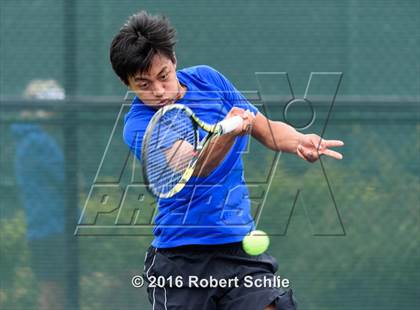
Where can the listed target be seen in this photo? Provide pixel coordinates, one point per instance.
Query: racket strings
(170, 150)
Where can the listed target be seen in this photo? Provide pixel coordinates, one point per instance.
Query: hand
(312, 146)
(248, 121)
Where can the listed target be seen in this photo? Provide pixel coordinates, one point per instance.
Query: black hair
(141, 37)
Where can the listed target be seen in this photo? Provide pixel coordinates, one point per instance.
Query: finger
(251, 120)
(236, 111)
(312, 156)
(246, 126)
(246, 114)
(308, 155)
(333, 154)
(248, 129)
(251, 114)
(332, 143)
(299, 153)
(248, 120)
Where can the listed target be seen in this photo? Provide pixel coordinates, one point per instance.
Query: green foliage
(18, 286)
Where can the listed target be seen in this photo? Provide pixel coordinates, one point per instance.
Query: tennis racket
(172, 147)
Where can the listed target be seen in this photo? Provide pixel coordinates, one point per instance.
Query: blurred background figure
(39, 170)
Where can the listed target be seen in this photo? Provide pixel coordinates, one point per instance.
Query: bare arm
(220, 146)
(180, 154)
(279, 136)
(214, 154)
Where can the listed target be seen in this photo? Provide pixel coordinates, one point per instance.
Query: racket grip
(230, 124)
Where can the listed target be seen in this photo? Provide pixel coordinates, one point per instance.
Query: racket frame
(200, 146)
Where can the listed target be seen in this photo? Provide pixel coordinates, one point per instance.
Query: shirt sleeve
(233, 97)
(162, 138)
(134, 130)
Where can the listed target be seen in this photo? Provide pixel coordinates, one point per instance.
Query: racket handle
(230, 124)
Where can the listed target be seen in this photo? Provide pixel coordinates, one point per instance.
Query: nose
(158, 90)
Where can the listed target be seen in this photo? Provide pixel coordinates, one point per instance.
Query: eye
(143, 85)
(164, 76)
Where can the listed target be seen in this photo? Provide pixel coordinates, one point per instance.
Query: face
(159, 86)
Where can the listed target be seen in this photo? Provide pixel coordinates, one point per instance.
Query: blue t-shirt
(208, 210)
(39, 168)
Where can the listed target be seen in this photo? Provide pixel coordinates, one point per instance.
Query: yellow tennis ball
(256, 242)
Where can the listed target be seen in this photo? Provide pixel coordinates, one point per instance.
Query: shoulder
(138, 113)
(202, 72)
(136, 120)
(36, 138)
(40, 146)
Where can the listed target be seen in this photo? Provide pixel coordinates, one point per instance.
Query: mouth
(164, 102)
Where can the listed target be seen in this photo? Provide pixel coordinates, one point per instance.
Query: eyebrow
(145, 79)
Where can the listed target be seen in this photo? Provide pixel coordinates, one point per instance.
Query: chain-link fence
(344, 232)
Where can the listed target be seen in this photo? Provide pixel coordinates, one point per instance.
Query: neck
(181, 91)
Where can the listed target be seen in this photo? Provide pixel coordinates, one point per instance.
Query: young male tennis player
(197, 253)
